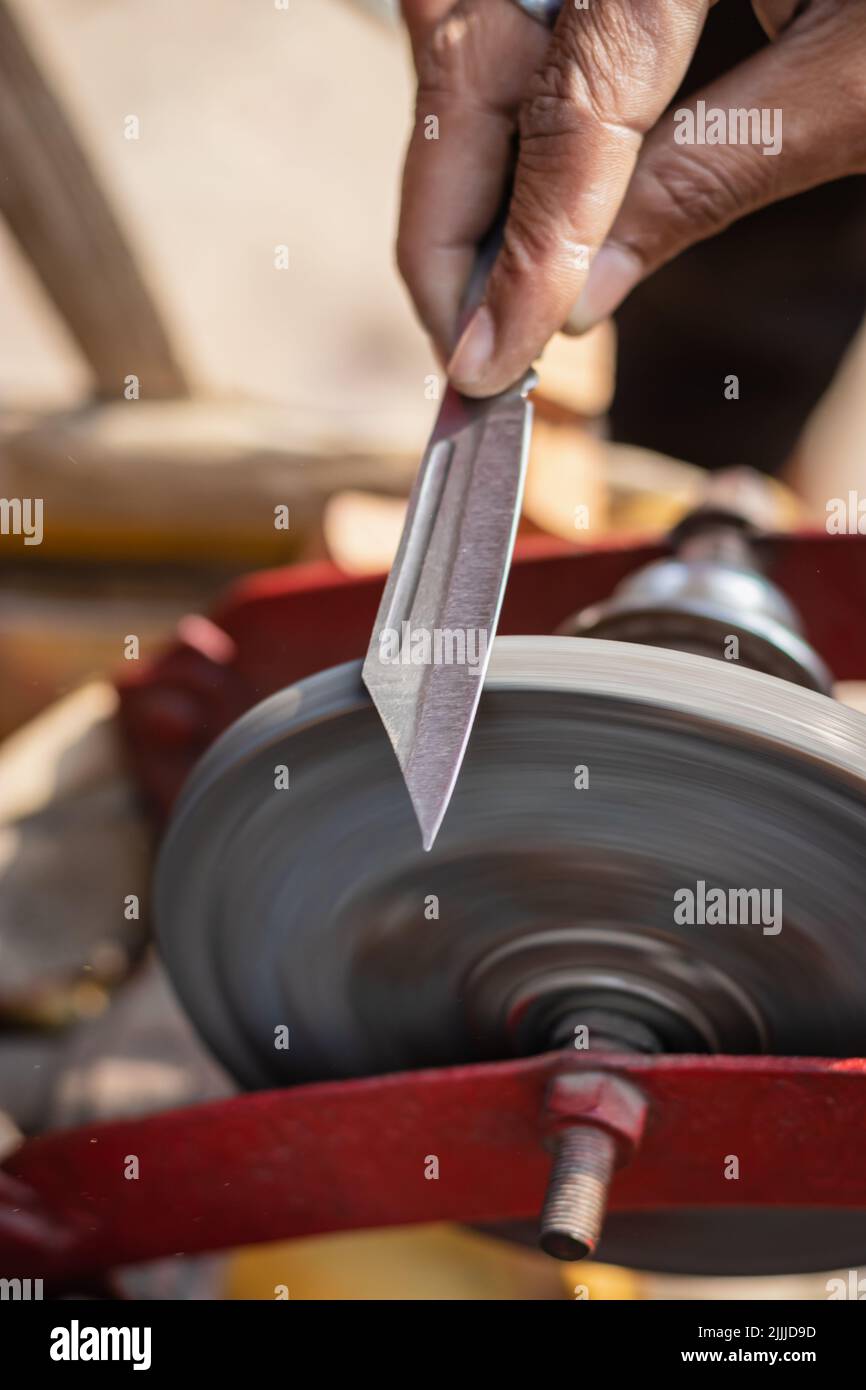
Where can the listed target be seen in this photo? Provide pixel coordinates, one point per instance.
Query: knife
(432, 636)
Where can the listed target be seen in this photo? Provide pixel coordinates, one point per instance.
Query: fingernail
(474, 350)
(613, 274)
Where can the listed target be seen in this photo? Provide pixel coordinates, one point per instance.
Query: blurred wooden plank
(56, 210)
(193, 481)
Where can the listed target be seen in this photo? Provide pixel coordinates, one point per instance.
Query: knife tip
(429, 822)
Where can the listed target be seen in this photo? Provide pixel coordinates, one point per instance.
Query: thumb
(791, 117)
(604, 81)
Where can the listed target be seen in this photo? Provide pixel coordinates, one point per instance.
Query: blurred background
(202, 322)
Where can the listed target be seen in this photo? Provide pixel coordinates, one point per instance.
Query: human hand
(604, 193)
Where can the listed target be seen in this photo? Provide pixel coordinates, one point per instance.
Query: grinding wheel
(315, 908)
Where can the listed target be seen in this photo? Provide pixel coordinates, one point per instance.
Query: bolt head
(599, 1098)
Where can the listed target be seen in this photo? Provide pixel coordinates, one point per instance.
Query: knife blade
(432, 636)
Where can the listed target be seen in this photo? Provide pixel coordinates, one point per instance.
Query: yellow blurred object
(229, 482)
(362, 530)
(604, 1283)
(566, 492)
(417, 1263)
(578, 373)
(650, 492)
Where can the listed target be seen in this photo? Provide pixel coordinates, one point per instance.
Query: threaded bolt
(586, 1154)
(576, 1199)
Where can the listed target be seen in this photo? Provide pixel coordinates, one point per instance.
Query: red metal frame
(352, 1154)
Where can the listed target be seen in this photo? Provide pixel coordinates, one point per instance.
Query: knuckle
(562, 93)
(594, 58)
(611, 62)
(454, 57)
(547, 120)
(473, 56)
(690, 194)
(530, 239)
(581, 84)
(440, 60)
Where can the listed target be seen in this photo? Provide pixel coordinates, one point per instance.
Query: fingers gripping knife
(449, 573)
